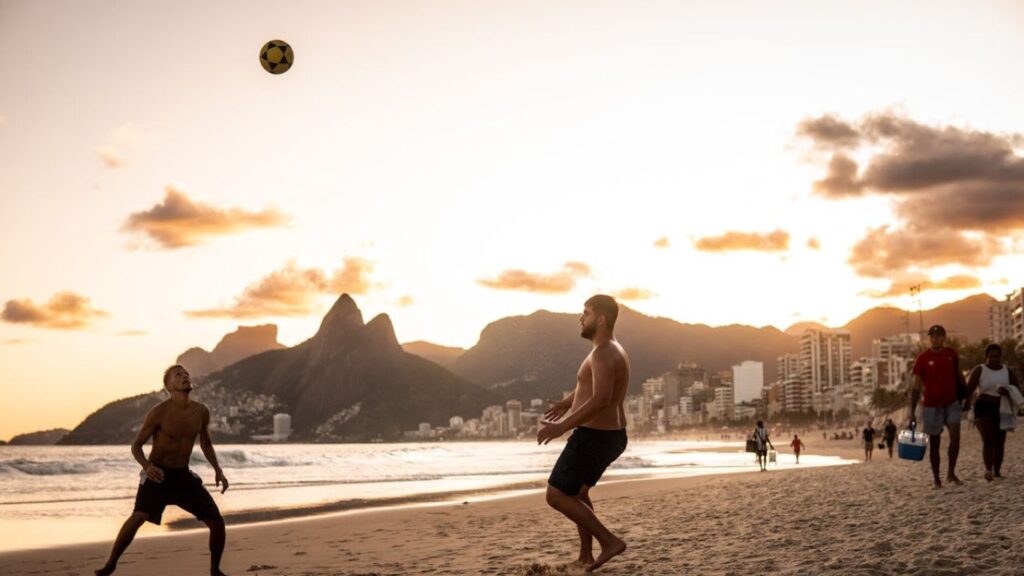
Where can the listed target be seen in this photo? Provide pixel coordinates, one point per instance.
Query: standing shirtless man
(595, 414)
(165, 478)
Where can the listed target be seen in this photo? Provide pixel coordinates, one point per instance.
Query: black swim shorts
(182, 488)
(586, 456)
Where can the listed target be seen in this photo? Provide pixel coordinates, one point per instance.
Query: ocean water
(56, 495)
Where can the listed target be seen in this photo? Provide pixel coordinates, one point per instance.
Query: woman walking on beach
(992, 380)
(760, 436)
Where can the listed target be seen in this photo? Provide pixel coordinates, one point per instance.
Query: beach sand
(865, 519)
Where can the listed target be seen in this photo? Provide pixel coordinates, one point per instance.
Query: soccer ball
(276, 57)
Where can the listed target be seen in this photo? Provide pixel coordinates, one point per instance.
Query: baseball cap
(937, 329)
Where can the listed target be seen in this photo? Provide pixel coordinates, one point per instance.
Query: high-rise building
(515, 414)
(747, 381)
(796, 395)
(282, 426)
(1000, 319)
(787, 366)
(897, 353)
(825, 358)
(724, 404)
(691, 372)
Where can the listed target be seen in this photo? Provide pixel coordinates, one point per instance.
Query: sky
(451, 163)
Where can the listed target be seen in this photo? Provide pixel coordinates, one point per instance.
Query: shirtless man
(595, 414)
(165, 478)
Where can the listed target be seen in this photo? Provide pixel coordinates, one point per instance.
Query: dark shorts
(986, 407)
(586, 456)
(182, 488)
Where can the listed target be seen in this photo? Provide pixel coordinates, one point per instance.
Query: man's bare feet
(616, 548)
(217, 572)
(107, 570)
(952, 479)
(988, 476)
(937, 484)
(584, 560)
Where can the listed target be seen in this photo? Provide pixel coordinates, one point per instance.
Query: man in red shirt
(936, 376)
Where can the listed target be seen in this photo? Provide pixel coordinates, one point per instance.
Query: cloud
(293, 291)
(64, 311)
(179, 222)
(661, 242)
(777, 241)
(829, 131)
(902, 287)
(813, 243)
(633, 293)
(885, 252)
(555, 283)
(132, 333)
(406, 301)
(958, 193)
(15, 341)
(110, 157)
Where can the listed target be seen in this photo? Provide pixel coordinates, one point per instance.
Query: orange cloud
(64, 311)
(813, 243)
(902, 287)
(15, 341)
(633, 293)
(179, 222)
(661, 242)
(110, 157)
(293, 291)
(556, 283)
(777, 241)
(406, 301)
(885, 252)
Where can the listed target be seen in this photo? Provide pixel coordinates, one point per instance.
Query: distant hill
(965, 319)
(443, 355)
(44, 438)
(242, 343)
(800, 327)
(114, 423)
(538, 355)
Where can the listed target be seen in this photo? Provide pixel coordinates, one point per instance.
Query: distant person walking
(992, 381)
(868, 437)
(937, 378)
(760, 436)
(165, 478)
(889, 435)
(595, 414)
(797, 445)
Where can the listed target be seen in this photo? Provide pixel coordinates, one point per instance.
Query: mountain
(353, 381)
(44, 438)
(443, 355)
(350, 382)
(537, 356)
(242, 343)
(799, 328)
(965, 319)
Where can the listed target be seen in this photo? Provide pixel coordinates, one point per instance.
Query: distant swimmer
(595, 414)
(165, 477)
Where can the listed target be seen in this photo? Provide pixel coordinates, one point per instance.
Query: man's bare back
(612, 416)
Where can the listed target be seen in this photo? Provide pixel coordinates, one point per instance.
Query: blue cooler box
(912, 445)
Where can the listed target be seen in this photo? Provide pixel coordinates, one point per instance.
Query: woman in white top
(991, 380)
